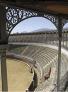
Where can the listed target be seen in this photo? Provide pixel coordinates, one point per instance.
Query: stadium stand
(45, 59)
(41, 55)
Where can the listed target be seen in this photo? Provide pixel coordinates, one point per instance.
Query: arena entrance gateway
(13, 12)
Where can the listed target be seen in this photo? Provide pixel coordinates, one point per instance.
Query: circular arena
(33, 61)
(42, 60)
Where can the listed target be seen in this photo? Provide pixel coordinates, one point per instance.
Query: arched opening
(41, 28)
(33, 24)
(65, 36)
(36, 29)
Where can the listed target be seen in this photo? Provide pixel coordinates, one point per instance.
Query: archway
(52, 18)
(16, 15)
(34, 25)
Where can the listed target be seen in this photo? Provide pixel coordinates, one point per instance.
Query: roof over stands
(59, 7)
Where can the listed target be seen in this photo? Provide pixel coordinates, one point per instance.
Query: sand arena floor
(19, 77)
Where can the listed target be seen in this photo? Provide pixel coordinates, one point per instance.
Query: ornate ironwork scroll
(15, 15)
(64, 21)
(52, 18)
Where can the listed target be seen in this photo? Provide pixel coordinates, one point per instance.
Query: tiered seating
(50, 84)
(38, 37)
(45, 58)
(42, 55)
(30, 50)
(64, 63)
(18, 50)
(27, 37)
(34, 49)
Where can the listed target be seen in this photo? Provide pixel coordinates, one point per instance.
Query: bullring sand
(19, 77)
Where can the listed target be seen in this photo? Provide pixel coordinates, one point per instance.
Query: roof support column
(3, 68)
(59, 52)
(3, 43)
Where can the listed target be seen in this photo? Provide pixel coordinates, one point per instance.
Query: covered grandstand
(45, 54)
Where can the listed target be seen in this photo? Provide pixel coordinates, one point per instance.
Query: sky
(35, 23)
